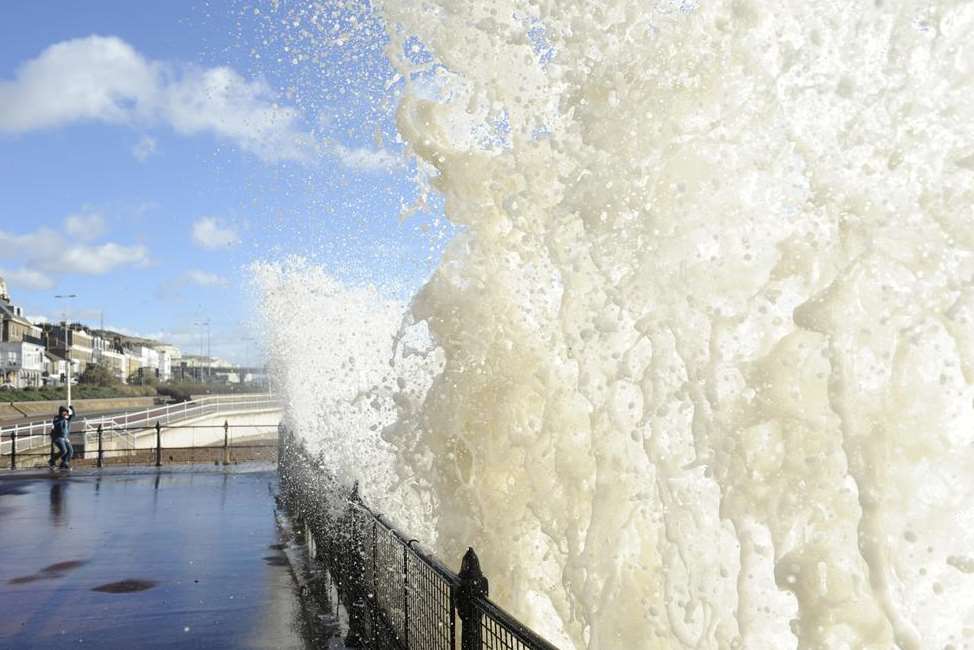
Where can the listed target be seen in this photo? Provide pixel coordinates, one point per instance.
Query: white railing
(28, 436)
(126, 425)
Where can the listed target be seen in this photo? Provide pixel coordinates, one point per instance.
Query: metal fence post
(358, 636)
(13, 448)
(280, 446)
(226, 442)
(405, 593)
(158, 444)
(473, 585)
(101, 452)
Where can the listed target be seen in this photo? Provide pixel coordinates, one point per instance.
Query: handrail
(222, 397)
(511, 625)
(386, 601)
(37, 433)
(167, 410)
(420, 551)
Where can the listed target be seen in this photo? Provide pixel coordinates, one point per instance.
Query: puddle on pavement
(50, 572)
(61, 567)
(126, 586)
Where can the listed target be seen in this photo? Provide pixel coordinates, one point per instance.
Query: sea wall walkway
(177, 557)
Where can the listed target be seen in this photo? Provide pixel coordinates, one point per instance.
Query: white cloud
(365, 159)
(46, 251)
(92, 78)
(144, 148)
(105, 79)
(66, 309)
(27, 279)
(220, 101)
(159, 336)
(85, 225)
(98, 260)
(209, 232)
(204, 279)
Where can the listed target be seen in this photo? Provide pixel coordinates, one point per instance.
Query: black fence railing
(397, 594)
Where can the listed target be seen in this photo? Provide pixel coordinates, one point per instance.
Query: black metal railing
(397, 594)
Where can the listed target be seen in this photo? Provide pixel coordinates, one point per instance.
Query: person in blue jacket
(60, 438)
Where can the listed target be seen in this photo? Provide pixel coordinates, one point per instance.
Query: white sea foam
(332, 356)
(703, 372)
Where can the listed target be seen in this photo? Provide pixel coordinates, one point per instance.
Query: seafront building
(73, 343)
(38, 355)
(112, 356)
(21, 348)
(23, 364)
(55, 369)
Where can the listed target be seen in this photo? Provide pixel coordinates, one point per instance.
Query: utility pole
(67, 344)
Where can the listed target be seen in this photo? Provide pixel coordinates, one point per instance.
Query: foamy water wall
(704, 363)
(335, 360)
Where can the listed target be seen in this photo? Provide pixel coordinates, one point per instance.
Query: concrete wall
(208, 430)
(36, 410)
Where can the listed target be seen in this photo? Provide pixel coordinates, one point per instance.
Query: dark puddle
(61, 567)
(51, 572)
(275, 560)
(125, 586)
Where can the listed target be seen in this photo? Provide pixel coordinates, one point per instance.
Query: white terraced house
(21, 348)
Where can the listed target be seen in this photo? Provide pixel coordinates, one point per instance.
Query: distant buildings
(34, 356)
(22, 360)
(112, 356)
(72, 343)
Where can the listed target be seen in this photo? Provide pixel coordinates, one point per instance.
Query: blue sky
(150, 151)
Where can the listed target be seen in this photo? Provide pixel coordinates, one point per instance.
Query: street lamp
(206, 324)
(251, 357)
(67, 352)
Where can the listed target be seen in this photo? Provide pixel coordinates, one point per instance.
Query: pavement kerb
(323, 622)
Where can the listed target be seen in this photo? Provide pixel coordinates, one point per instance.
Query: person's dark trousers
(65, 451)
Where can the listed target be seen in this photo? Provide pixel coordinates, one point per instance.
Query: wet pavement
(181, 557)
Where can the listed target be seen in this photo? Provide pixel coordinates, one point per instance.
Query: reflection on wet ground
(185, 557)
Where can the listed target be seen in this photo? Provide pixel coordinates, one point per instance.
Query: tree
(144, 377)
(97, 375)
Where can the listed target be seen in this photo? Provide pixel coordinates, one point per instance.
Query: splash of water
(332, 352)
(706, 344)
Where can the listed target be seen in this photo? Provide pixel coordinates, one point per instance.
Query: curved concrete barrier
(208, 430)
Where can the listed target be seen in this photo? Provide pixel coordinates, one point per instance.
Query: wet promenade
(182, 557)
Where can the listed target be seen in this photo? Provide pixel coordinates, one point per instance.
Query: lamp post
(206, 324)
(67, 348)
(251, 356)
